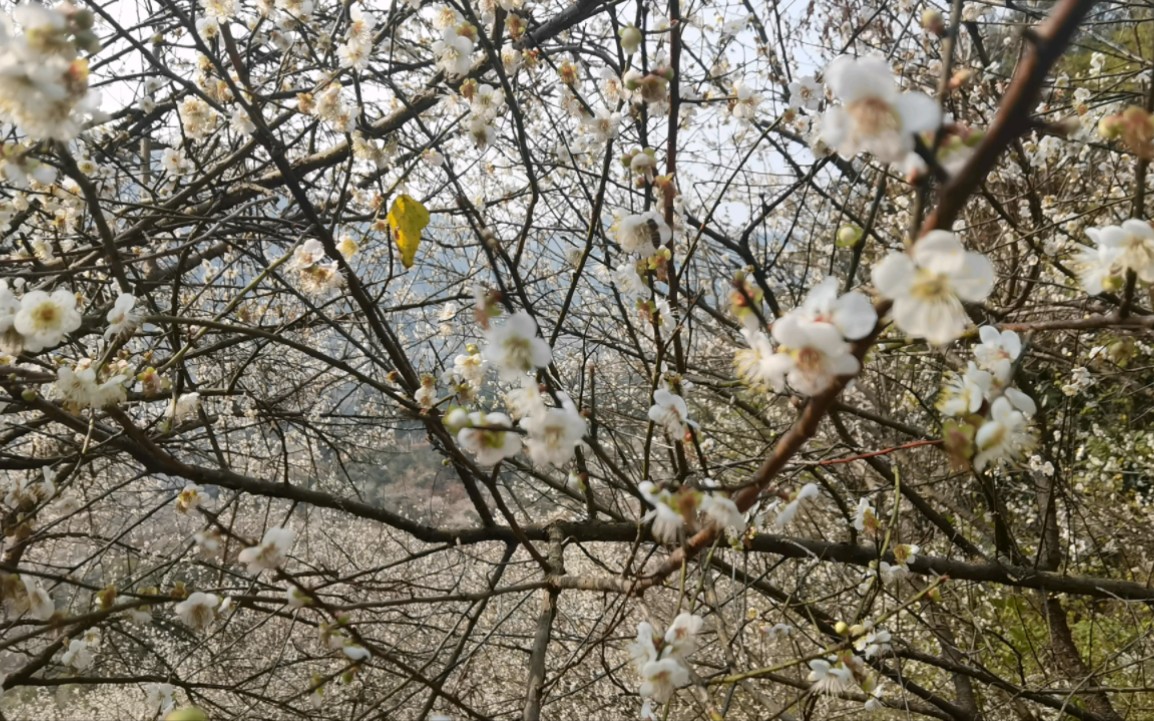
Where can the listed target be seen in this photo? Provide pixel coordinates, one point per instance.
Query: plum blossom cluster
(990, 419)
(485, 106)
(676, 513)
(454, 50)
(600, 127)
(316, 271)
(648, 89)
(43, 79)
(842, 672)
(812, 342)
(929, 285)
(513, 348)
(888, 573)
(1118, 250)
(25, 595)
(354, 52)
(662, 661)
(21, 169)
(330, 106)
(83, 387)
(24, 492)
(874, 115)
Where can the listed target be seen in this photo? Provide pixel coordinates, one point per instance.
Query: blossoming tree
(576, 359)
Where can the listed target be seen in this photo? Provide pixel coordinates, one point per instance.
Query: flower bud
(849, 235)
(1110, 127)
(933, 22)
(456, 419)
(630, 39)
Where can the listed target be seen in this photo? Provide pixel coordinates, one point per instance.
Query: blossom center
(518, 352)
(45, 315)
(808, 360)
(874, 116)
(930, 287)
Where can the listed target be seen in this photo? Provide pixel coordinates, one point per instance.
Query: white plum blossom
(241, 122)
(197, 117)
(198, 610)
(208, 543)
(644, 649)
(890, 573)
(928, 286)
(454, 54)
(159, 697)
(723, 513)
(852, 314)
(208, 27)
(296, 598)
(515, 349)
(964, 393)
(755, 364)
(271, 552)
(628, 282)
(874, 116)
(470, 367)
(10, 339)
(829, 677)
(44, 319)
(554, 434)
(355, 51)
(865, 517)
(788, 512)
(667, 523)
(642, 233)
(810, 356)
(664, 670)
(173, 162)
(40, 604)
(525, 401)
(602, 126)
(681, 636)
(306, 255)
(1006, 435)
(183, 407)
(876, 642)
(1021, 401)
(78, 655)
(660, 678)
(1119, 248)
(426, 393)
(190, 498)
(997, 352)
(121, 319)
(670, 412)
(745, 101)
(805, 92)
(489, 437)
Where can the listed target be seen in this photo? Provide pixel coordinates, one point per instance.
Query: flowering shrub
(557, 359)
